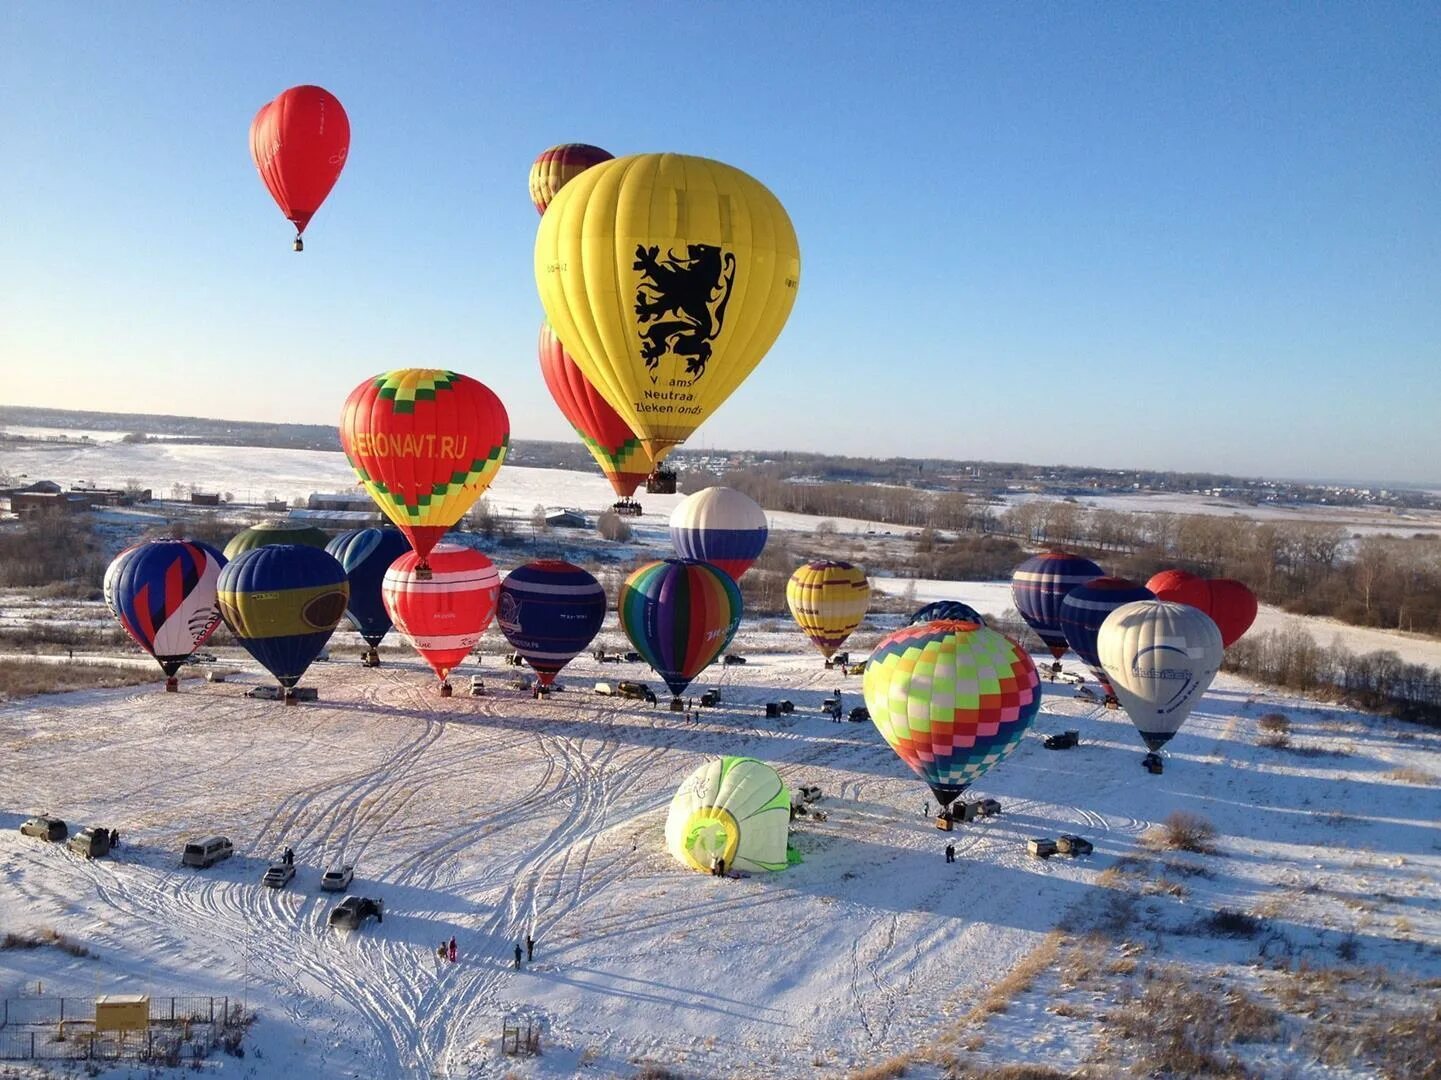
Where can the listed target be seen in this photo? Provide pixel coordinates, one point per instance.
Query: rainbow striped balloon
(828, 600)
(952, 699)
(680, 615)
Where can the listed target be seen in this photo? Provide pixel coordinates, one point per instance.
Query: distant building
(205, 498)
(116, 496)
(566, 519)
(338, 519)
(343, 500)
(28, 503)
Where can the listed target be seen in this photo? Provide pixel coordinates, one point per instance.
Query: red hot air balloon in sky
(299, 142)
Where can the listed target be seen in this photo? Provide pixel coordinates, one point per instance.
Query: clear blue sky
(1197, 236)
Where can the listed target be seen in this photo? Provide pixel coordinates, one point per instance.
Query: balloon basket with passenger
(661, 482)
(172, 684)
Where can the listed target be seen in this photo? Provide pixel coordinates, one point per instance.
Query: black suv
(635, 690)
(352, 912)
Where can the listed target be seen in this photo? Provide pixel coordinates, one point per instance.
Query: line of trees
(1376, 681)
(1308, 569)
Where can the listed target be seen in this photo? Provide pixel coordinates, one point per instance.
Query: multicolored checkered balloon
(952, 699)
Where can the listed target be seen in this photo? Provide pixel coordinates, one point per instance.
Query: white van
(203, 853)
(604, 689)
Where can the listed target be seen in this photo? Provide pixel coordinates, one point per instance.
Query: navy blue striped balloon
(949, 611)
(1040, 584)
(550, 610)
(1084, 610)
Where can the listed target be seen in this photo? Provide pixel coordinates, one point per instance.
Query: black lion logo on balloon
(681, 303)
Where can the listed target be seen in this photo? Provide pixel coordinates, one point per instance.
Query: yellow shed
(122, 1012)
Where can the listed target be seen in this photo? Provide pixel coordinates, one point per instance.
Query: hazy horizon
(1432, 485)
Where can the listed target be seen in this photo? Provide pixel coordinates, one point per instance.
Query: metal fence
(197, 1008)
(59, 1028)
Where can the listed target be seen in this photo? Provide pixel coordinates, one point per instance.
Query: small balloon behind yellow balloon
(668, 278)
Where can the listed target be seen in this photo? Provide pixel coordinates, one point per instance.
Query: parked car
(1064, 741)
(92, 842)
(635, 690)
(860, 714)
(199, 658)
(733, 658)
(1041, 847)
(208, 852)
(337, 878)
(632, 657)
(45, 827)
(1068, 844)
(710, 698)
(278, 875)
(351, 913)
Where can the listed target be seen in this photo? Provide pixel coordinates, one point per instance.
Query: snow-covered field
(484, 818)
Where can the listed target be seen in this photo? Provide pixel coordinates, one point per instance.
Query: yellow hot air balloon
(828, 600)
(667, 278)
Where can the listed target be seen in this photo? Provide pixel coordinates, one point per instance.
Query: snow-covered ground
(485, 818)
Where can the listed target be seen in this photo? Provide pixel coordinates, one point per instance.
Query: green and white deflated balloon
(734, 808)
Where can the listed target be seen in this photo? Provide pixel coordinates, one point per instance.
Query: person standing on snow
(452, 950)
(950, 853)
(517, 956)
(529, 947)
